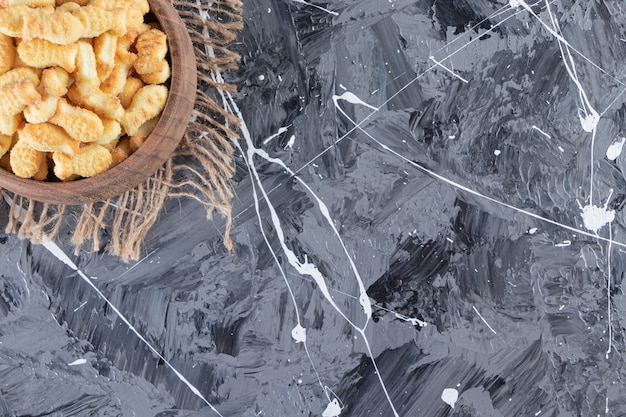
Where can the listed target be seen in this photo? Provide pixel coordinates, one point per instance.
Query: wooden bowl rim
(156, 149)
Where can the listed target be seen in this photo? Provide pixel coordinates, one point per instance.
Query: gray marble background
(423, 158)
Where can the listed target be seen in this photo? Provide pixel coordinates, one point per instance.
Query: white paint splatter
(497, 152)
(78, 362)
(615, 149)
(594, 217)
(450, 396)
(352, 98)
(299, 334)
(412, 320)
(333, 409)
(532, 231)
(589, 121)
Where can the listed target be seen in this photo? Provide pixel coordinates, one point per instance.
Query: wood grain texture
(157, 148)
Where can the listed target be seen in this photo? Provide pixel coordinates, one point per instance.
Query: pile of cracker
(82, 85)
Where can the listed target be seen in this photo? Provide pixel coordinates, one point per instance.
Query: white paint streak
(278, 133)
(608, 295)
(480, 195)
(307, 268)
(316, 6)
(483, 319)
(352, 98)
(439, 64)
(55, 250)
(78, 362)
(450, 396)
(542, 132)
(413, 321)
(80, 306)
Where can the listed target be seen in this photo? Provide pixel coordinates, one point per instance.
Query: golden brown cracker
(104, 47)
(147, 103)
(7, 53)
(93, 159)
(25, 161)
(98, 20)
(81, 124)
(40, 53)
(46, 137)
(131, 87)
(61, 28)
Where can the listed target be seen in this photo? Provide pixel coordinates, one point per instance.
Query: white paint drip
(229, 103)
(352, 98)
(298, 333)
(450, 396)
(589, 117)
(439, 64)
(275, 135)
(78, 362)
(542, 132)
(316, 6)
(615, 149)
(307, 268)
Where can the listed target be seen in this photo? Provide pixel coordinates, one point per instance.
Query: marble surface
(428, 222)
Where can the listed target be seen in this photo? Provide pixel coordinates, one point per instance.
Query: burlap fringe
(200, 168)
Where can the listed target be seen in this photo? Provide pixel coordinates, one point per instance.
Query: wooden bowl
(156, 149)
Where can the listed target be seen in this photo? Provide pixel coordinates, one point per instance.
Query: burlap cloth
(201, 167)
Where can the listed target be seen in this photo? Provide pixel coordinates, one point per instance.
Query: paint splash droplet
(449, 396)
(299, 334)
(589, 121)
(78, 362)
(333, 409)
(615, 149)
(594, 217)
